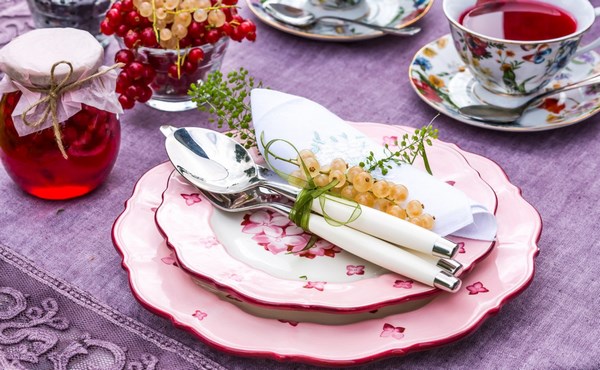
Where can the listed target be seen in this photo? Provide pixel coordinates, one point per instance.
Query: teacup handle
(592, 45)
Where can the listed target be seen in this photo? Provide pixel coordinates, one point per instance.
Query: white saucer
(442, 80)
(391, 13)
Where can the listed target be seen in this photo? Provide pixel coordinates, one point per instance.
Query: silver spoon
(249, 200)
(304, 18)
(427, 270)
(496, 114)
(215, 162)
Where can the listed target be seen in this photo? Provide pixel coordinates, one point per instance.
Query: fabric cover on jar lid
(28, 60)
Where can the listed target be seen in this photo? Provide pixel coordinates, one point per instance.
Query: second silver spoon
(303, 18)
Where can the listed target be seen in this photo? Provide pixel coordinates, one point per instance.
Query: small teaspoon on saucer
(304, 18)
(497, 114)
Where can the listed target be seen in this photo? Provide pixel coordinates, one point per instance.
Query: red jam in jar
(91, 139)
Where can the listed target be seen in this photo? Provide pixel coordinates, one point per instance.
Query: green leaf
(225, 99)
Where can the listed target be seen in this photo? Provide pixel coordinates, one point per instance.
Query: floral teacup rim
(518, 68)
(585, 15)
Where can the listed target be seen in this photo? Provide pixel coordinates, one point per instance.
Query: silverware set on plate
(225, 173)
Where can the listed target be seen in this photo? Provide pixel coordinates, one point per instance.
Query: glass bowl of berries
(167, 45)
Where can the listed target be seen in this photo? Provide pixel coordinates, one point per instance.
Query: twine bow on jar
(52, 98)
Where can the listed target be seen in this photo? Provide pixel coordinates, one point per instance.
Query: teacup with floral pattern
(512, 67)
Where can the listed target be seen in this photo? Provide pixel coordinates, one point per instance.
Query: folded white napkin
(308, 125)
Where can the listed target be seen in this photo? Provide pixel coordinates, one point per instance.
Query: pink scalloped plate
(170, 292)
(223, 250)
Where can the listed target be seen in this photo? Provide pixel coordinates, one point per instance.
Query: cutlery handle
(384, 254)
(452, 266)
(288, 191)
(389, 228)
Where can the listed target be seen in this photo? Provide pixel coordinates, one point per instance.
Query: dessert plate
(442, 80)
(392, 13)
(169, 291)
(257, 256)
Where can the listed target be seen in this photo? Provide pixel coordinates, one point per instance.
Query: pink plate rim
(479, 306)
(259, 288)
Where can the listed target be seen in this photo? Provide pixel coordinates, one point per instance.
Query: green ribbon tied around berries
(52, 97)
(301, 210)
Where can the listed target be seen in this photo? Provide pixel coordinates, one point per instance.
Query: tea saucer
(393, 13)
(442, 80)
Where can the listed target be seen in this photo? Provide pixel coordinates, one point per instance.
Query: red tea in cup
(519, 20)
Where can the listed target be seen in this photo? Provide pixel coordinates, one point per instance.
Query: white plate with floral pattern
(441, 79)
(390, 13)
(168, 291)
(257, 256)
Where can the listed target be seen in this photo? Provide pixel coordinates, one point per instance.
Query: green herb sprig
(408, 149)
(227, 100)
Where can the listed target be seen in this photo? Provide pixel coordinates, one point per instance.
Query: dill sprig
(407, 150)
(227, 100)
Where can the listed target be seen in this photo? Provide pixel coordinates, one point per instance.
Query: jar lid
(29, 58)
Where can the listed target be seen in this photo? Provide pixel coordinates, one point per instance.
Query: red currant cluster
(134, 80)
(171, 25)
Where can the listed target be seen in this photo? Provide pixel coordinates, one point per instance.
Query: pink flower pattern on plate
(477, 288)
(191, 199)
(169, 260)
(278, 244)
(355, 270)
(199, 315)
(404, 284)
(277, 234)
(319, 249)
(318, 285)
(390, 330)
(209, 242)
(264, 222)
(461, 247)
(450, 182)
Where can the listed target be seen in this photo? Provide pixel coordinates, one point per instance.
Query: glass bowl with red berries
(167, 45)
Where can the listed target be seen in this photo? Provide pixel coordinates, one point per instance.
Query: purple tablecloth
(67, 245)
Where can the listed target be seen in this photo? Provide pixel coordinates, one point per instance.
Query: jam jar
(91, 140)
(68, 151)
